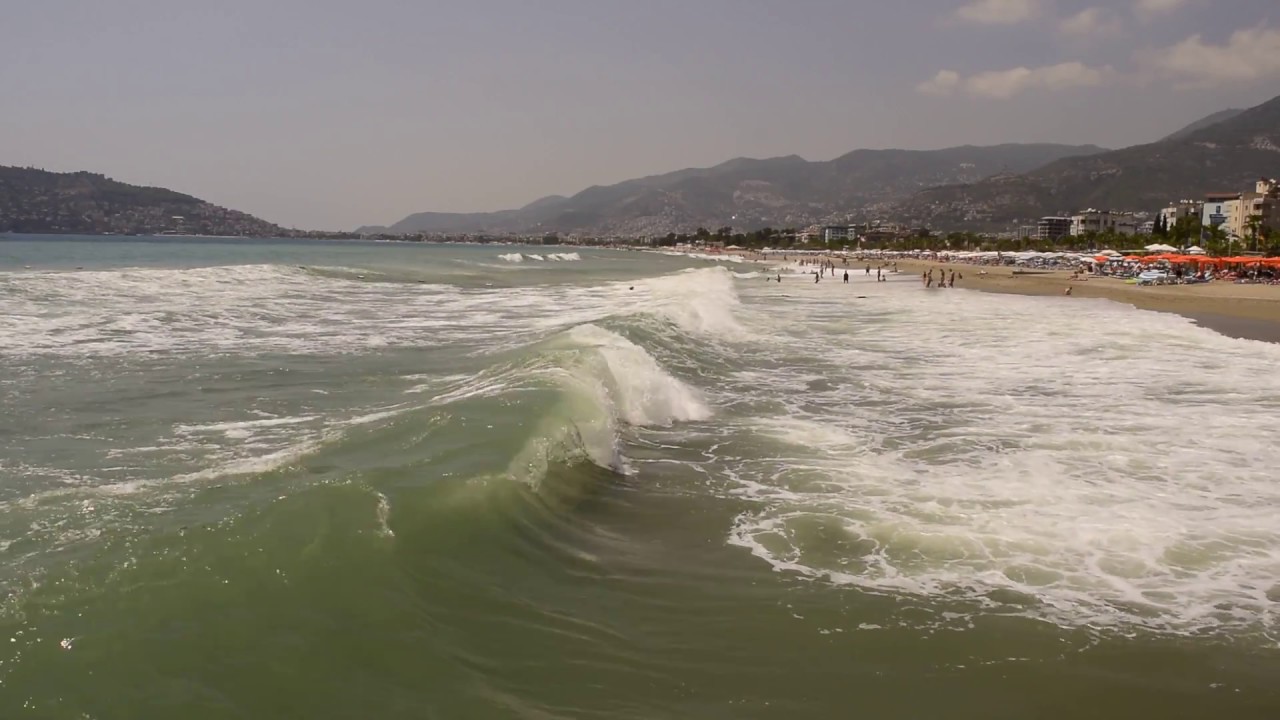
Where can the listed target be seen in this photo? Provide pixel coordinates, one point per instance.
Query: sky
(329, 114)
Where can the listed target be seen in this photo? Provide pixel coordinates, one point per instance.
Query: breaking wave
(552, 257)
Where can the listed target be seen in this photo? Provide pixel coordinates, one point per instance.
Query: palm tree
(1255, 229)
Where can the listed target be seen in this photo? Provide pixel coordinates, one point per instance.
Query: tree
(1255, 229)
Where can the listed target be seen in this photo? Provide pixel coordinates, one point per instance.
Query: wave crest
(607, 381)
(553, 257)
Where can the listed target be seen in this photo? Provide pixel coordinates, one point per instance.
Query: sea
(307, 479)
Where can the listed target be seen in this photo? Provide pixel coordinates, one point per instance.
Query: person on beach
(846, 277)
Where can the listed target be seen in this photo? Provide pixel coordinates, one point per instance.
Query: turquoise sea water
(267, 479)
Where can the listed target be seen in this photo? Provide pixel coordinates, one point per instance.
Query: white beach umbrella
(1196, 250)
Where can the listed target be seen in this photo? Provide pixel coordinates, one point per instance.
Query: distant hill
(753, 193)
(1223, 156)
(38, 201)
(1202, 123)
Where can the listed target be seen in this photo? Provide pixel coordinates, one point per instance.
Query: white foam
(640, 391)
(721, 257)
(703, 302)
(1079, 462)
(512, 257)
(382, 511)
(246, 425)
(607, 381)
(254, 464)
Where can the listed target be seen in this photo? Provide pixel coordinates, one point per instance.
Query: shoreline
(1248, 312)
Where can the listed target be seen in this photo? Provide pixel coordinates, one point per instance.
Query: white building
(839, 233)
(1103, 221)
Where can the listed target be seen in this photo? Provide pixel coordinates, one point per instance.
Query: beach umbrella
(1195, 250)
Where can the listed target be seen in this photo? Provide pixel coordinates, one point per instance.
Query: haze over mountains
(977, 188)
(1224, 156)
(962, 187)
(749, 193)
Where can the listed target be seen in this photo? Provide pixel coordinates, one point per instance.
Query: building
(839, 234)
(1183, 209)
(1147, 228)
(1100, 222)
(878, 238)
(1261, 206)
(1266, 206)
(1217, 208)
(1053, 228)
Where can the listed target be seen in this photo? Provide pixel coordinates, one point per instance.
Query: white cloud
(1092, 22)
(1249, 55)
(1004, 84)
(998, 12)
(1152, 8)
(944, 83)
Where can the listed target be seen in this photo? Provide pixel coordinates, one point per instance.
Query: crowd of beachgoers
(1159, 265)
(1156, 267)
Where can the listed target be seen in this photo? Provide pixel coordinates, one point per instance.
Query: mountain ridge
(40, 201)
(1227, 155)
(1204, 122)
(751, 192)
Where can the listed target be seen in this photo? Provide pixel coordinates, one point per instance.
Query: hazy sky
(331, 114)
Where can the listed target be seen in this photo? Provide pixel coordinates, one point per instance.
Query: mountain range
(954, 188)
(967, 187)
(1223, 153)
(750, 193)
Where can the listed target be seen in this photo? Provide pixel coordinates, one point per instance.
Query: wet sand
(1241, 311)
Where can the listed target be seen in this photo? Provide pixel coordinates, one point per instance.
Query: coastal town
(1222, 223)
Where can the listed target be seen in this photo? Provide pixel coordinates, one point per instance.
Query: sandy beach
(1244, 311)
